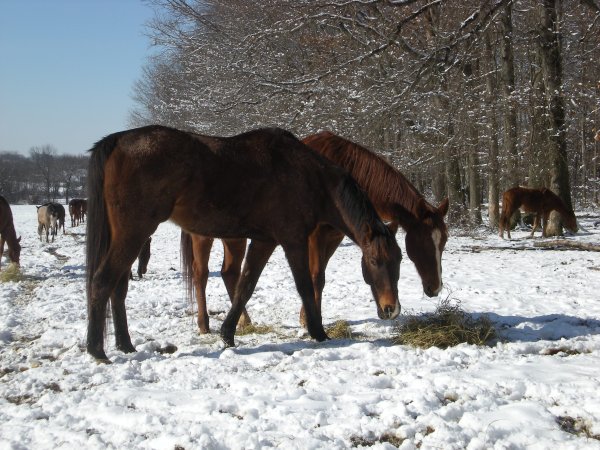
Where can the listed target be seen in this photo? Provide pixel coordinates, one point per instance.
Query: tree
(43, 158)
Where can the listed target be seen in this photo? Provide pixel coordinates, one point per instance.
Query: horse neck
(10, 234)
(560, 207)
(355, 213)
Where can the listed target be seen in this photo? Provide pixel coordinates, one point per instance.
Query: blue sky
(67, 70)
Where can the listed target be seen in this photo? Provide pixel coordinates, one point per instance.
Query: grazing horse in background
(8, 233)
(76, 211)
(393, 196)
(264, 185)
(539, 201)
(48, 220)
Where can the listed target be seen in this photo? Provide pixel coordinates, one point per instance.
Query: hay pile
(448, 326)
(11, 273)
(339, 330)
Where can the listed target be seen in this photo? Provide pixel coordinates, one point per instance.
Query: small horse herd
(266, 186)
(51, 216)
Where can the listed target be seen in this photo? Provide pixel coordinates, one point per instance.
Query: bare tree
(44, 158)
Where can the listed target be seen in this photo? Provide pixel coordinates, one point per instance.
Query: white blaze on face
(436, 236)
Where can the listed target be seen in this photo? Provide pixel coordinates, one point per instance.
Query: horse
(76, 211)
(8, 233)
(47, 219)
(56, 210)
(263, 184)
(395, 199)
(539, 201)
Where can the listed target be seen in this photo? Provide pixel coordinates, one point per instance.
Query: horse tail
(97, 228)
(187, 265)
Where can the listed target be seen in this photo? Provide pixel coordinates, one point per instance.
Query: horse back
(220, 187)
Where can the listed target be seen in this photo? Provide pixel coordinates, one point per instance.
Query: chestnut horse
(395, 199)
(8, 233)
(264, 185)
(539, 201)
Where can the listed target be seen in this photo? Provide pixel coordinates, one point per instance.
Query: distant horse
(76, 211)
(47, 220)
(395, 199)
(57, 210)
(264, 185)
(539, 201)
(8, 233)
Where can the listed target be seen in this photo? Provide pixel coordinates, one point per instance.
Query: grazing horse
(395, 199)
(539, 201)
(76, 211)
(48, 220)
(264, 185)
(8, 233)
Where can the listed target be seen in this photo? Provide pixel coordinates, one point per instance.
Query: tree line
(466, 98)
(42, 176)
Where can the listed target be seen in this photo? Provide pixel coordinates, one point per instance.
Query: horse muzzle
(388, 307)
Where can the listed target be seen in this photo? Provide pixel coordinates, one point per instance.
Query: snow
(284, 390)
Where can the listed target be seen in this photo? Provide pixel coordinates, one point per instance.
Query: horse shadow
(510, 329)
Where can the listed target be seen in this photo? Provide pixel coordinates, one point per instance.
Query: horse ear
(19, 240)
(443, 208)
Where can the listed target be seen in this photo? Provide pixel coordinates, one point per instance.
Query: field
(537, 387)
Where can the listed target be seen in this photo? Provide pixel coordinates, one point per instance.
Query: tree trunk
(493, 188)
(552, 69)
(507, 73)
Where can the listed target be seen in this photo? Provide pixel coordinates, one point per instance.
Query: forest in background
(42, 176)
(466, 98)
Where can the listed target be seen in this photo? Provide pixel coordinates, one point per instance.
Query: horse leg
(234, 251)
(545, 216)
(201, 249)
(257, 257)
(114, 268)
(298, 259)
(322, 244)
(536, 224)
(117, 301)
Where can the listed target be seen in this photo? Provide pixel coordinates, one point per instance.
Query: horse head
(14, 251)
(381, 268)
(426, 237)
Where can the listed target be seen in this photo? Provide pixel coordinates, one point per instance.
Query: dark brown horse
(395, 199)
(264, 185)
(8, 233)
(539, 201)
(77, 210)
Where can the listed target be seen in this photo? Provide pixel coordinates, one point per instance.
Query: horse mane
(359, 211)
(382, 182)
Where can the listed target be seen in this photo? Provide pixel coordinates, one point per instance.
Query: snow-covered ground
(283, 390)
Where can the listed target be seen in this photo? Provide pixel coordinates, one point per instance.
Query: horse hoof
(320, 336)
(228, 341)
(126, 348)
(99, 356)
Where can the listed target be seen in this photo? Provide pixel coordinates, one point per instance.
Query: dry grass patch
(254, 329)
(339, 330)
(446, 327)
(576, 426)
(11, 273)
